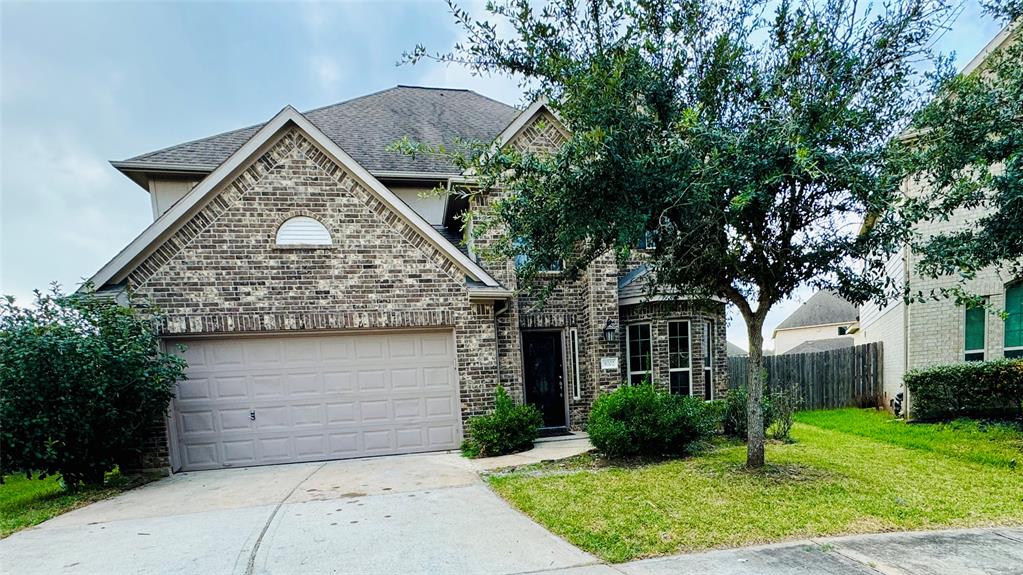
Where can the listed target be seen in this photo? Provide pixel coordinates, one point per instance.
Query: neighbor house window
(302, 231)
(1014, 321)
(637, 342)
(708, 357)
(679, 358)
(974, 334)
(577, 388)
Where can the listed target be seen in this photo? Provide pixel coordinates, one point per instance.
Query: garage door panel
(316, 398)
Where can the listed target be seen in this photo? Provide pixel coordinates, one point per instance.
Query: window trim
(689, 353)
(1017, 350)
(628, 352)
(577, 388)
(983, 336)
(708, 357)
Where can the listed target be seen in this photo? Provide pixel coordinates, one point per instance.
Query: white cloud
(327, 73)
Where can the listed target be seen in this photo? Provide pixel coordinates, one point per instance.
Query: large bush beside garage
(81, 381)
(510, 428)
(968, 389)
(640, 420)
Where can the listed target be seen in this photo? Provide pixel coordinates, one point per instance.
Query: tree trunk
(755, 403)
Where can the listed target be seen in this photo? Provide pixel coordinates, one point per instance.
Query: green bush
(785, 400)
(510, 428)
(734, 421)
(81, 382)
(639, 420)
(969, 389)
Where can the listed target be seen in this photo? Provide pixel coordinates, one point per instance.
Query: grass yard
(848, 471)
(27, 502)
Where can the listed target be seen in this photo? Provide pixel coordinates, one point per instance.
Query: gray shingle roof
(821, 345)
(825, 307)
(364, 127)
(632, 284)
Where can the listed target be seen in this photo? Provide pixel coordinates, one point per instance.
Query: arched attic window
(302, 231)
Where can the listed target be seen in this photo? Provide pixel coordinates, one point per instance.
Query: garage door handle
(252, 415)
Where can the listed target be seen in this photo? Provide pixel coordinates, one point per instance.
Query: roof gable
(245, 165)
(823, 308)
(364, 127)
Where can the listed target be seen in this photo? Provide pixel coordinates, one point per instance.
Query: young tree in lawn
(745, 138)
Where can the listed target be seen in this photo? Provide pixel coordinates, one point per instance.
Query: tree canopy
(746, 139)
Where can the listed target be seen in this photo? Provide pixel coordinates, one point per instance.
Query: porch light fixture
(610, 331)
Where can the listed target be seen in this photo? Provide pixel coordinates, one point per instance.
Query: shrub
(784, 403)
(969, 389)
(510, 428)
(81, 381)
(734, 422)
(639, 420)
(715, 409)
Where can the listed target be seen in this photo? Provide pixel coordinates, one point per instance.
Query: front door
(544, 376)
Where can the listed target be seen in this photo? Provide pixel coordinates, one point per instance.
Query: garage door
(259, 401)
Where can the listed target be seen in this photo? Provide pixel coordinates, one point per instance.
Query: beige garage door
(259, 401)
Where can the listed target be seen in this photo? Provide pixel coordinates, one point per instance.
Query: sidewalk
(990, 551)
(544, 449)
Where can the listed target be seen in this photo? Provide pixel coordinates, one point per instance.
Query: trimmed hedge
(510, 428)
(969, 389)
(639, 420)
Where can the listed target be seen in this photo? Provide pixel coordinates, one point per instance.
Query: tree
(81, 381)
(970, 145)
(746, 142)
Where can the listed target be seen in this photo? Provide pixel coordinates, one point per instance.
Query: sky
(83, 83)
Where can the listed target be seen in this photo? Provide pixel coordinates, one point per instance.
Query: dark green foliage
(639, 420)
(744, 138)
(734, 421)
(81, 380)
(510, 428)
(969, 389)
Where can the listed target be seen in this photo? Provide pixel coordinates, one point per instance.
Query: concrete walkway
(994, 551)
(426, 513)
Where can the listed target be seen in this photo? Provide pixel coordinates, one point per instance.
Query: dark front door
(543, 375)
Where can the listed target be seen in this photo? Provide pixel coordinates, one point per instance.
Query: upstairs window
(302, 231)
(974, 321)
(1014, 321)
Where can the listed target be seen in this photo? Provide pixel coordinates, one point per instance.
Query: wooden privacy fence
(827, 379)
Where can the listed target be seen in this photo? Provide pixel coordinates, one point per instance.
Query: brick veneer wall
(223, 273)
(658, 314)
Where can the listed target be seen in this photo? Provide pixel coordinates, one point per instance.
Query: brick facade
(221, 273)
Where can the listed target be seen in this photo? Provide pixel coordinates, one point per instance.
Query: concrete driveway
(404, 514)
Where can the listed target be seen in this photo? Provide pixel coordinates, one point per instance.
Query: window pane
(976, 356)
(708, 341)
(679, 382)
(1014, 321)
(678, 344)
(638, 378)
(639, 347)
(708, 391)
(1015, 353)
(975, 328)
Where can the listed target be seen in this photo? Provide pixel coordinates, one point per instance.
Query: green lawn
(27, 502)
(848, 471)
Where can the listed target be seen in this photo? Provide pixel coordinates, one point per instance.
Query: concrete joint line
(569, 568)
(995, 531)
(251, 565)
(865, 560)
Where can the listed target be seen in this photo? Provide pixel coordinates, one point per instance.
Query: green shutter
(975, 328)
(1014, 322)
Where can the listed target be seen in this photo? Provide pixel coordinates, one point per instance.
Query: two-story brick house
(331, 307)
(937, 331)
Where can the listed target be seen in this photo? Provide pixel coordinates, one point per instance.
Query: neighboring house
(825, 321)
(937, 331)
(734, 350)
(330, 308)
